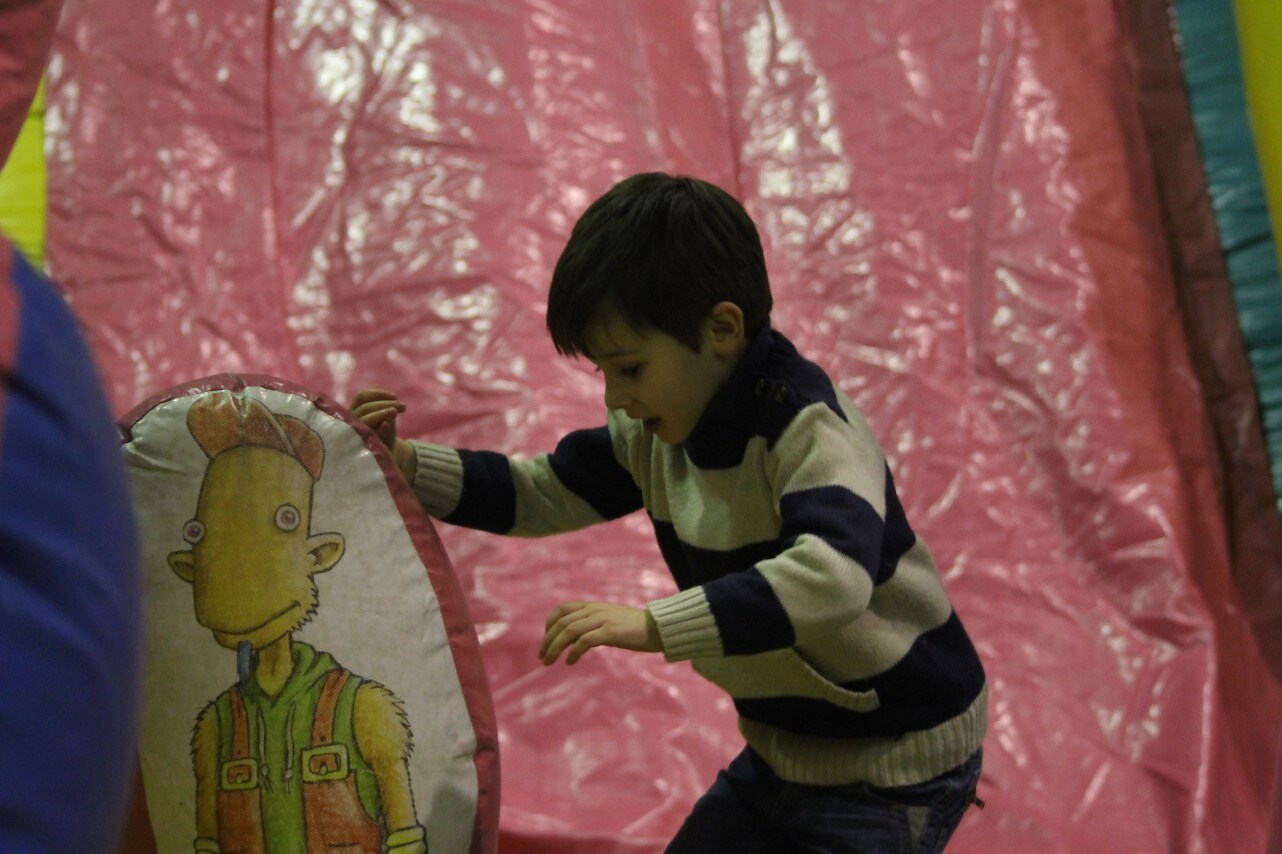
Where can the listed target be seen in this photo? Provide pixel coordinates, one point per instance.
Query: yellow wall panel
(1259, 24)
(22, 186)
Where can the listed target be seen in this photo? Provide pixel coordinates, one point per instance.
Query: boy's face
(656, 379)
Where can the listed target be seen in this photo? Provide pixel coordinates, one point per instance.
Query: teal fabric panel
(1213, 70)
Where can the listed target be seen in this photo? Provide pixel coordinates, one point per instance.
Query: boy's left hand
(579, 626)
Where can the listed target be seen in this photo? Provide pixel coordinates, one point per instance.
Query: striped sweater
(804, 592)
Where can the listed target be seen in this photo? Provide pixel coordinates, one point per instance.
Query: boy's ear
(725, 324)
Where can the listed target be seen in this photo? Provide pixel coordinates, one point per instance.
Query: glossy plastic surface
(962, 225)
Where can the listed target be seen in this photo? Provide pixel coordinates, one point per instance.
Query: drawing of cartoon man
(300, 755)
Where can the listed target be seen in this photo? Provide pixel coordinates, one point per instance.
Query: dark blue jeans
(749, 809)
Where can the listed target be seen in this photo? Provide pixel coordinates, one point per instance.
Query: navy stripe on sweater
(750, 593)
(898, 536)
(937, 680)
(692, 566)
(584, 461)
(489, 501)
(843, 520)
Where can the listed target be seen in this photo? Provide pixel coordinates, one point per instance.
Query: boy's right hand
(377, 408)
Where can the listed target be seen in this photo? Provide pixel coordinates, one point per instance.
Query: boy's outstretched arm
(378, 409)
(579, 626)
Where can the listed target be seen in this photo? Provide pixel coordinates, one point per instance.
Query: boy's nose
(614, 398)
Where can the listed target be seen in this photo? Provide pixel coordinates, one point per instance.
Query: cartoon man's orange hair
(224, 420)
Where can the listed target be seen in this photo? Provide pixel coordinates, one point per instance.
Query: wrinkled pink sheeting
(957, 205)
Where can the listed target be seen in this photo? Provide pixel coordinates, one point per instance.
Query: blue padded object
(69, 598)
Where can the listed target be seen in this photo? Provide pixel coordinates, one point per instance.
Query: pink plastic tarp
(963, 225)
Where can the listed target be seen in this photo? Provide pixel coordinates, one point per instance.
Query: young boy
(804, 592)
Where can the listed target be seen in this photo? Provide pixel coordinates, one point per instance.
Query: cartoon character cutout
(300, 755)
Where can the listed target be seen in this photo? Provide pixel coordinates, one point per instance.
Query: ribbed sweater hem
(904, 761)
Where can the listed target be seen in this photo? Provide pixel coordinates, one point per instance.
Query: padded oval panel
(314, 679)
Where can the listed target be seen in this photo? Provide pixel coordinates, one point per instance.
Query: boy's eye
(626, 371)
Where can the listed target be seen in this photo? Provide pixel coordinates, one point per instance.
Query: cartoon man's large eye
(194, 531)
(287, 517)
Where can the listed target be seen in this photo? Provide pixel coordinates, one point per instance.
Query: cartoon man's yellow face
(252, 558)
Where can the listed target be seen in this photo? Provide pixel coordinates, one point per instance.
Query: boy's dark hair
(661, 251)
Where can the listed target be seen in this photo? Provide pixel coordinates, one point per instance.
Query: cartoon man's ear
(184, 565)
(325, 550)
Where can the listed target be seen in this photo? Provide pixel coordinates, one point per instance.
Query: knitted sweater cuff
(438, 483)
(686, 626)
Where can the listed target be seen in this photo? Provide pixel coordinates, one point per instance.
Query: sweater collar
(724, 415)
